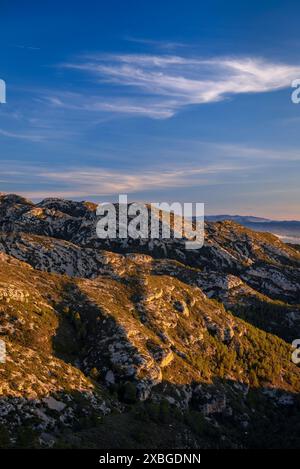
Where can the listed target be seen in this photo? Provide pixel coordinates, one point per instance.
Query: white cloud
(175, 81)
(95, 181)
(100, 181)
(80, 102)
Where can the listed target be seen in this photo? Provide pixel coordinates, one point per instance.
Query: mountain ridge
(287, 230)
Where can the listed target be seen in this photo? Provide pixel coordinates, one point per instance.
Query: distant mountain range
(287, 230)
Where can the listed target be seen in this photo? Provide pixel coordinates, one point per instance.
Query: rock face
(103, 330)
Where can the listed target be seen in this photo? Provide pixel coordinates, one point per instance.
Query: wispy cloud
(37, 132)
(254, 154)
(25, 47)
(97, 181)
(159, 44)
(112, 181)
(173, 82)
(219, 164)
(22, 136)
(96, 104)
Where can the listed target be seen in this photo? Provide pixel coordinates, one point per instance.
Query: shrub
(4, 437)
(94, 373)
(129, 393)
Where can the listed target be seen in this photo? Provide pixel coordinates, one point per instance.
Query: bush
(94, 374)
(195, 421)
(129, 393)
(4, 437)
(26, 438)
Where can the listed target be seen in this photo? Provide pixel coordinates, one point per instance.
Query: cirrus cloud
(158, 86)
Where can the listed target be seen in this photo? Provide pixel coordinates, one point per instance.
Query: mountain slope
(119, 333)
(287, 230)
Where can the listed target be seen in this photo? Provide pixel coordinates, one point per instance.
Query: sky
(165, 101)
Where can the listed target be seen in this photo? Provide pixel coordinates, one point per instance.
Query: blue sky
(165, 101)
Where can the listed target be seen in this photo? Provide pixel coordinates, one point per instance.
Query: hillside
(287, 230)
(114, 343)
